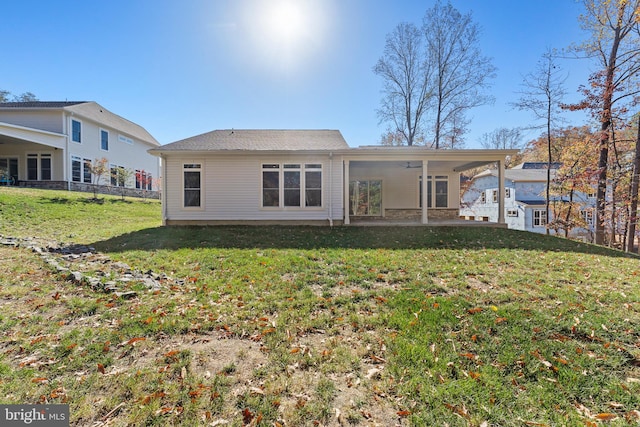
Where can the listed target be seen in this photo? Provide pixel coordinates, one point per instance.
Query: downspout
(163, 190)
(330, 189)
(67, 155)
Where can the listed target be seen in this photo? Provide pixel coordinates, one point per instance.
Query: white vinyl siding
(233, 190)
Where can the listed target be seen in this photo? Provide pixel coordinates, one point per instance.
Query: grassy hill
(289, 326)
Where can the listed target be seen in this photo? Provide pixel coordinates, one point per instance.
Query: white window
(292, 185)
(118, 176)
(494, 196)
(192, 185)
(104, 140)
(587, 214)
(512, 212)
(539, 218)
(439, 199)
(507, 193)
(76, 131)
(39, 167)
(483, 197)
(80, 170)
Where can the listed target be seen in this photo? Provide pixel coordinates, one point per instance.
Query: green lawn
(290, 326)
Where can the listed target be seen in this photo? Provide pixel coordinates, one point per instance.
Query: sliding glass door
(365, 198)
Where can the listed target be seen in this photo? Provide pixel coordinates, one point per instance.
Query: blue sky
(181, 68)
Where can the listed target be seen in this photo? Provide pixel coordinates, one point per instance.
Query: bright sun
(285, 20)
(287, 33)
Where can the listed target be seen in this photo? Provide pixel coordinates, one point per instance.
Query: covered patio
(385, 185)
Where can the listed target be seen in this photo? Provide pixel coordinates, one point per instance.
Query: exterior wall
(51, 121)
(231, 190)
(132, 155)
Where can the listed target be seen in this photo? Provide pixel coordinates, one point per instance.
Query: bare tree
(614, 28)
(406, 73)
(436, 70)
(502, 139)
(542, 96)
(462, 72)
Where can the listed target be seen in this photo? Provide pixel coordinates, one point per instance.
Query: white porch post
(425, 202)
(346, 192)
(501, 191)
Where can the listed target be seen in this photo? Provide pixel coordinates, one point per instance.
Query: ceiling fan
(409, 166)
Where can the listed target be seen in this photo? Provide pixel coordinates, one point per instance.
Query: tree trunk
(605, 121)
(633, 209)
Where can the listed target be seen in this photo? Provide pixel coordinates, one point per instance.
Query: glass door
(365, 198)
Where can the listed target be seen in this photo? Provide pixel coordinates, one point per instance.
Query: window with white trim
(76, 131)
(118, 176)
(39, 167)
(292, 185)
(80, 170)
(494, 196)
(104, 140)
(483, 197)
(512, 212)
(587, 215)
(192, 185)
(441, 197)
(507, 193)
(539, 217)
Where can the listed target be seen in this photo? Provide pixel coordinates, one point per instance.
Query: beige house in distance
(310, 177)
(51, 144)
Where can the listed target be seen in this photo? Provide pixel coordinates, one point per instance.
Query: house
(525, 198)
(309, 177)
(52, 145)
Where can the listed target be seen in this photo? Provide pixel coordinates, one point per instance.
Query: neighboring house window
(104, 140)
(539, 218)
(483, 197)
(507, 193)
(39, 167)
(118, 176)
(494, 196)
(143, 180)
(588, 217)
(80, 170)
(512, 212)
(76, 131)
(292, 185)
(32, 167)
(86, 174)
(441, 191)
(192, 179)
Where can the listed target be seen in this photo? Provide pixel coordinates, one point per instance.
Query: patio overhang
(11, 134)
(429, 161)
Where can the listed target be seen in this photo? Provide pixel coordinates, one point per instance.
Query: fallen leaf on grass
(606, 416)
(404, 413)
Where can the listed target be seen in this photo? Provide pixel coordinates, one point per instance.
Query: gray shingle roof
(92, 111)
(260, 140)
(40, 104)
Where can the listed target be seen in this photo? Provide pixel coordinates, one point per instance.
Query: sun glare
(285, 21)
(287, 34)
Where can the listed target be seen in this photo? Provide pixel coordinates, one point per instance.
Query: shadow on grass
(301, 237)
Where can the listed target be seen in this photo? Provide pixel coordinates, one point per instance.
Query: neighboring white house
(51, 144)
(309, 176)
(525, 198)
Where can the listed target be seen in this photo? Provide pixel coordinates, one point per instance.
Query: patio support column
(345, 192)
(501, 192)
(425, 202)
